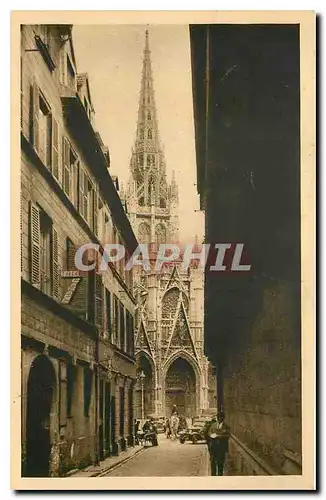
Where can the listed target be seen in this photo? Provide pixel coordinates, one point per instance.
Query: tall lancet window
(144, 233)
(149, 116)
(151, 190)
(149, 135)
(160, 234)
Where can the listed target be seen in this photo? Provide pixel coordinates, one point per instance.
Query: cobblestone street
(170, 458)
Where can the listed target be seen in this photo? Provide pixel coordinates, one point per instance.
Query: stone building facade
(246, 82)
(169, 317)
(78, 364)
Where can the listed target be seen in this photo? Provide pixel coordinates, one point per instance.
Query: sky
(112, 56)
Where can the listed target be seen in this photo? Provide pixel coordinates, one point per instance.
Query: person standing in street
(217, 436)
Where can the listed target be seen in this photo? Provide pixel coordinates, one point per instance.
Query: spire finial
(146, 40)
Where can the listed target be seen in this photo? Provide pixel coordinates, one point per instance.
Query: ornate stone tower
(169, 319)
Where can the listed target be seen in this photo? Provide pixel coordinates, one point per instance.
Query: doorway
(40, 393)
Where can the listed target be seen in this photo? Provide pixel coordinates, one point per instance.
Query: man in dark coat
(217, 436)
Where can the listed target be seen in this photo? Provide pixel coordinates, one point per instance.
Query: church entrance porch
(180, 388)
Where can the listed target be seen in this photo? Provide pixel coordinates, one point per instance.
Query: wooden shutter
(35, 105)
(81, 187)
(98, 300)
(95, 212)
(21, 233)
(35, 244)
(71, 252)
(63, 393)
(55, 158)
(66, 165)
(55, 265)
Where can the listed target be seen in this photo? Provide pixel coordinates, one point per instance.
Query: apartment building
(78, 366)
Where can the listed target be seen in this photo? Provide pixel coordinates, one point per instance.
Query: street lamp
(142, 377)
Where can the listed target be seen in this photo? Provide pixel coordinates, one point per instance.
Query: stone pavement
(168, 459)
(107, 464)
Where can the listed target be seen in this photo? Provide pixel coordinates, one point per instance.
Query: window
(71, 81)
(162, 203)
(108, 313)
(86, 104)
(70, 255)
(151, 190)
(150, 160)
(44, 251)
(85, 195)
(44, 124)
(69, 176)
(115, 333)
(107, 228)
(144, 233)
(43, 43)
(88, 380)
(149, 116)
(141, 134)
(149, 135)
(98, 301)
(141, 160)
(160, 234)
(122, 327)
(45, 34)
(141, 201)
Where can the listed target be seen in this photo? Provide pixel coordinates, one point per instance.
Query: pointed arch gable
(181, 353)
(181, 308)
(149, 358)
(142, 340)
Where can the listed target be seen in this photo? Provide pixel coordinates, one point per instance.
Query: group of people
(149, 431)
(175, 424)
(217, 435)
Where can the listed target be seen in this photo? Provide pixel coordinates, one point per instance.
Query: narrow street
(170, 458)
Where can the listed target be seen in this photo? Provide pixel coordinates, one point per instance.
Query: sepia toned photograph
(165, 312)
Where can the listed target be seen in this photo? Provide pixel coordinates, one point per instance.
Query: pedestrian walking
(217, 436)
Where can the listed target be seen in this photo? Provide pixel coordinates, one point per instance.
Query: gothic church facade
(169, 319)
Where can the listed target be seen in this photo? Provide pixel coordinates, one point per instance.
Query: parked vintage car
(195, 432)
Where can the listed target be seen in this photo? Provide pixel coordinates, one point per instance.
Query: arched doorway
(180, 388)
(40, 392)
(145, 396)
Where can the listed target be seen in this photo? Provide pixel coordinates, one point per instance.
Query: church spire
(152, 201)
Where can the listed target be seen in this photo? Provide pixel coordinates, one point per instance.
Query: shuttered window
(95, 212)
(71, 251)
(83, 193)
(34, 122)
(108, 313)
(66, 165)
(122, 343)
(55, 153)
(98, 301)
(55, 264)
(35, 244)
